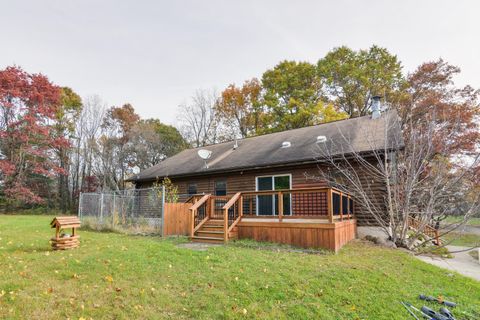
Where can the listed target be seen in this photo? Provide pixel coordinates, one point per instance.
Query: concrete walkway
(461, 262)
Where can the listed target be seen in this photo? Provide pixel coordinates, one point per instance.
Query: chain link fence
(133, 211)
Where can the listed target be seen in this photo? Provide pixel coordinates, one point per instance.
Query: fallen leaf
(109, 278)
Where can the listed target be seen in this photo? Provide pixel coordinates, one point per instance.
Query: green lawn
(114, 276)
(471, 222)
(462, 239)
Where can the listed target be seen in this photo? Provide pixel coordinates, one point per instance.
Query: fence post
(101, 208)
(80, 206)
(113, 210)
(163, 209)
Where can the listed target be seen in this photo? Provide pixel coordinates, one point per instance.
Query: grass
(462, 239)
(115, 276)
(471, 222)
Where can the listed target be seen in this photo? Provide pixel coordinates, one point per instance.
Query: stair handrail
(194, 211)
(232, 201)
(428, 230)
(226, 228)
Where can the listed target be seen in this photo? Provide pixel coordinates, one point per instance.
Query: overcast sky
(155, 54)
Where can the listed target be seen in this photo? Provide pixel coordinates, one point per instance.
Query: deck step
(207, 239)
(209, 234)
(210, 231)
(212, 226)
(215, 222)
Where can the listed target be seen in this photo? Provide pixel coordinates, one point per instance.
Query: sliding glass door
(267, 204)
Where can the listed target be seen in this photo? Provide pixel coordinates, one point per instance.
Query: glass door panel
(265, 202)
(283, 183)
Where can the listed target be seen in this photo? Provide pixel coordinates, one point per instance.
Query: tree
(240, 109)
(28, 107)
(113, 150)
(432, 94)
(293, 96)
(83, 172)
(437, 172)
(351, 78)
(66, 116)
(199, 124)
(151, 142)
(419, 182)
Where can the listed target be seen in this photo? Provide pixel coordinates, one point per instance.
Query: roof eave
(250, 168)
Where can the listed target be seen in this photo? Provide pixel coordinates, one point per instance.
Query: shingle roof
(362, 134)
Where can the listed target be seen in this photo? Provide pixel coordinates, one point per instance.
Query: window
(266, 204)
(221, 188)
(192, 189)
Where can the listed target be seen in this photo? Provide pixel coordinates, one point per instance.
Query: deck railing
(199, 213)
(314, 203)
(232, 213)
(328, 203)
(428, 230)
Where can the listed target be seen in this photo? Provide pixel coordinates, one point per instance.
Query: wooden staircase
(212, 231)
(207, 225)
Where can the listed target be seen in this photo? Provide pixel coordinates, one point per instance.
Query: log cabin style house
(269, 187)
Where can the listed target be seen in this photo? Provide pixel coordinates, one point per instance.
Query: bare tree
(198, 121)
(87, 131)
(419, 180)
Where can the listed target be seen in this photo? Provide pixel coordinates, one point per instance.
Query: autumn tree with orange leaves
(240, 107)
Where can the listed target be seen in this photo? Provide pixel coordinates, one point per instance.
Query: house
(269, 187)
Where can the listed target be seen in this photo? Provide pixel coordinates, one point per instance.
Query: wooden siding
(177, 219)
(303, 176)
(330, 236)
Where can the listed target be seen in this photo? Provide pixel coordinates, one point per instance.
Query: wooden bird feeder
(64, 241)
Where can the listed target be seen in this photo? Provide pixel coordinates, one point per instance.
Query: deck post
(192, 223)
(211, 211)
(349, 209)
(240, 206)
(280, 206)
(330, 205)
(341, 206)
(225, 225)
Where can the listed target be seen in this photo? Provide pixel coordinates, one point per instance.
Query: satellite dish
(204, 154)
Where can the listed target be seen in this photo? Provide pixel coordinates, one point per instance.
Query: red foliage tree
(434, 96)
(28, 105)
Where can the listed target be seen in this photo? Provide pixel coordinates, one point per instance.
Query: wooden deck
(311, 218)
(306, 233)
